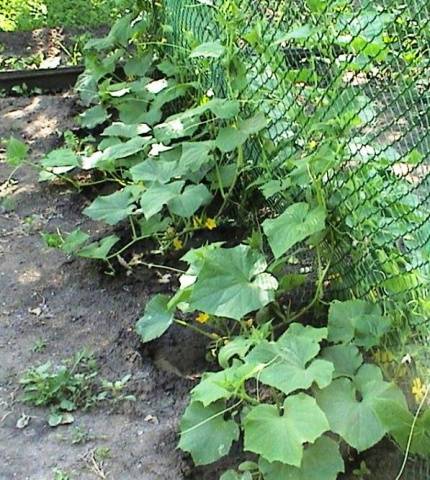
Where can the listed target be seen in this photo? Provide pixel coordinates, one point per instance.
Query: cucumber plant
(175, 155)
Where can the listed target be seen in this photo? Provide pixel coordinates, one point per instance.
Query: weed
(115, 391)
(68, 387)
(61, 475)
(39, 345)
(79, 436)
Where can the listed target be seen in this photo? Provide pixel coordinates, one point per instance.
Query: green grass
(19, 15)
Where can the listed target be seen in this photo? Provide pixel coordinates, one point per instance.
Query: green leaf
(292, 281)
(288, 364)
(350, 406)
(230, 138)
(99, 250)
(294, 225)
(299, 33)
(238, 346)
(156, 319)
(231, 474)
(158, 195)
(119, 129)
(280, 438)
(16, 151)
(346, 359)
(253, 125)
(399, 422)
(62, 157)
(215, 386)
(194, 156)
(232, 283)
(205, 434)
(321, 461)
(94, 116)
(74, 241)
(356, 321)
(190, 200)
(153, 225)
(154, 171)
(138, 66)
(208, 50)
(223, 108)
(111, 208)
(126, 149)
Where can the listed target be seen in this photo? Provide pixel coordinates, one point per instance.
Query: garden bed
(71, 304)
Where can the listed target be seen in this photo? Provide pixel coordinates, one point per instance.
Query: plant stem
(212, 336)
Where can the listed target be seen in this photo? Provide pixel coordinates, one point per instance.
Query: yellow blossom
(418, 389)
(202, 317)
(210, 223)
(177, 243)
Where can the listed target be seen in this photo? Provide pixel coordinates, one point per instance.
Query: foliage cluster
(70, 386)
(176, 154)
(19, 15)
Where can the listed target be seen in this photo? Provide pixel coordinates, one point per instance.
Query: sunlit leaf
(156, 320)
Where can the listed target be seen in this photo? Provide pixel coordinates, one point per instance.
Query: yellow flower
(312, 145)
(418, 389)
(210, 223)
(177, 243)
(202, 317)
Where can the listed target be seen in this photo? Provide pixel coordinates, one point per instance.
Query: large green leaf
(205, 434)
(224, 108)
(350, 406)
(280, 438)
(119, 129)
(232, 283)
(94, 116)
(154, 171)
(62, 157)
(158, 195)
(156, 319)
(346, 359)
(126, 149)
(288, 364)
(294, 225)
(111, 208)
(230, 138)
(253, 125)
(208, 50)
(190, 200)
(194, 156)
(321, 461)
(356, 321)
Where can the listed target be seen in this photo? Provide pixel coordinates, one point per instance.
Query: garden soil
(71, 304)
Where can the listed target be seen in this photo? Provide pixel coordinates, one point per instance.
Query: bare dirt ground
(70, 304)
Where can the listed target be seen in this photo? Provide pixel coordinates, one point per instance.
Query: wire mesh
(367, 64)
(362, 67)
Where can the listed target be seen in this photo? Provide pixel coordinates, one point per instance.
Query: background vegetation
(16, 15)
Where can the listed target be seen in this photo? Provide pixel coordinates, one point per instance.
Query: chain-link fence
(361, 70)
(345, 86)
